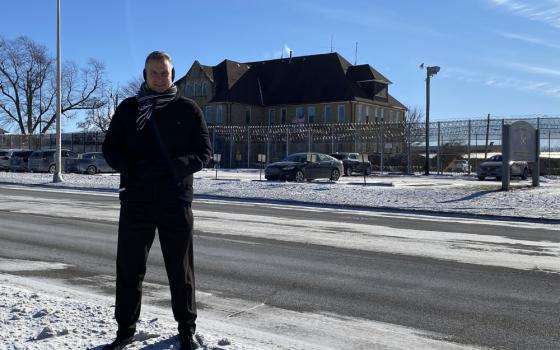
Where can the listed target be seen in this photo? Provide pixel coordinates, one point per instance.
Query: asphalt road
(481, 305)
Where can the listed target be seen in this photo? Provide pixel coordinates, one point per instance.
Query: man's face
(158, 75)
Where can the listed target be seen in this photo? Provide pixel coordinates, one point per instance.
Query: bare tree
(100, 118)
(28, 89)
(413, 127)
(132, 87)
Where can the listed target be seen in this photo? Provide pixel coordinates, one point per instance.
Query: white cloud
(535, 69)
(529, 39)
(497, 81)
(544, 11)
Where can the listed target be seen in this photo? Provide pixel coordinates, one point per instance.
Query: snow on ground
(35, 314)
(443, 193)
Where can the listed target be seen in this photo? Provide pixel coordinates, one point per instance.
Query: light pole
(430, 71)
(57, 176)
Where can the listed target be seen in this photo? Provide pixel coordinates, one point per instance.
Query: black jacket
(157, 163)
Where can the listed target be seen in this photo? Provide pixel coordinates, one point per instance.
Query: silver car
(19, 160)
(43, 161)
(93, 163)
(492, 167)
(5, 156)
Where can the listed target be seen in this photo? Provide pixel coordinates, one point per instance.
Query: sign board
(312, 157)
(522, 142)
(363, 157)
(217, 157)
(261, 158)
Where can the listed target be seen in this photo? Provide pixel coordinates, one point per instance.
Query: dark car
(5, 156)
(19, 160)
(492, 167)
(92, 163)
(43, 160)
(305, 166)
(352, 163)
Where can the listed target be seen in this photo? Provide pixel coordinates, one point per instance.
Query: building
(316, 89)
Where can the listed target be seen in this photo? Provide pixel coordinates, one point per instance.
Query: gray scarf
(149, 100)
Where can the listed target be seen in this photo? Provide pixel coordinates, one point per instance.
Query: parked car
(5, 156)
(43, 160)
(459, 165)
(352, 163)
(492, 167)
(92, 163)
(305, 166)
(20, 160)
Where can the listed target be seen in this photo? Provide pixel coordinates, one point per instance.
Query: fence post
(287, 140)
(469, 149)
(231, 147)
(309, 140)
(439, 170)
(409, 146)
(214, 139)
(268, 144)
(248, 147)
(549, 155)
(332, 138)
(382, 146)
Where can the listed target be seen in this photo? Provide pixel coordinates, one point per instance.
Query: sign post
(520, 142)
(364, 158)
(261, 158)
(217, 158)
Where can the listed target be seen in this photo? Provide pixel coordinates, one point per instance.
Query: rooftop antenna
(356, 59)
(331, 42)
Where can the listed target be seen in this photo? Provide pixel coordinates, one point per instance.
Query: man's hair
(159, 55)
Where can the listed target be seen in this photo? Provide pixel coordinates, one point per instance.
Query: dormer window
(203, 88)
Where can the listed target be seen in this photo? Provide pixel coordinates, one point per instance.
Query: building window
(203, 88)
(300, 116)
(311, 114)
(379, 114)
(248, 117)
(271, 116)
(284, 116)
(328, 114)
(219, 111)
(359, 115)
(341, 114)
(195, 89)
(366, 112)
(208, 114)
(399, 117)
(187, 89)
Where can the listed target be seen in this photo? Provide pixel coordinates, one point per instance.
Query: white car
(492, 167)
(460, 165)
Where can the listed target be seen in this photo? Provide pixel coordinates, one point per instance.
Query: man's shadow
(471, 196)
(163, 344)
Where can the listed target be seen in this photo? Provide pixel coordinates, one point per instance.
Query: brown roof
(297, 80)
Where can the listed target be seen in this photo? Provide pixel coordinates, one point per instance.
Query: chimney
(291, 52)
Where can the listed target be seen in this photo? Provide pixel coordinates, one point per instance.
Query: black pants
(137, 225)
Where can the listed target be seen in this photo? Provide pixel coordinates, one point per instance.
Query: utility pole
(57, 176)
(430, 71)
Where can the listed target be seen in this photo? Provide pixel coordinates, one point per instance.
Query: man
(156, 141)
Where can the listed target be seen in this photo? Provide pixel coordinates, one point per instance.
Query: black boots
(120, 342)
(186, 341)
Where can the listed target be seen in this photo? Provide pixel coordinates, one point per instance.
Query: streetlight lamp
(430, 71)
(57, 176)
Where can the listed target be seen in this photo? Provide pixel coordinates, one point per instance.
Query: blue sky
(496, 56)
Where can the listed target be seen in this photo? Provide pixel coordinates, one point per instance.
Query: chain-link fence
(391, 147)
